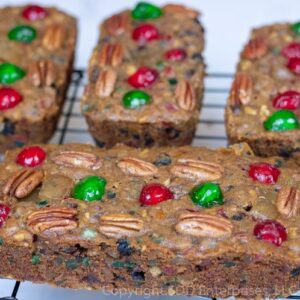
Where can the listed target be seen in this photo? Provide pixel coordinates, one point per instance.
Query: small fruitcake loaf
(160, 221)
(146, 78)
(36, 55)
(263, 106)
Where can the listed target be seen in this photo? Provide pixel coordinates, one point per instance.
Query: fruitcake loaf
(146, 77)
(36, 55)
(176, 221)
(263, 106)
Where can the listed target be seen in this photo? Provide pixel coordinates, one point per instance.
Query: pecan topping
(120, 225)
(105, 83)
(255, 48)
(288, 200)
(111, 55)
(197, 169)
(241, 90)
(53, 37)
(42, 73)
(53, 220)
(23, 183)
(117, 24)
(203, 225)
(185, 95)
(77, 159)
(136, 167)
(181, 9)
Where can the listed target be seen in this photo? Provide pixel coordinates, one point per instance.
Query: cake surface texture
(164, 221)
(146, 77)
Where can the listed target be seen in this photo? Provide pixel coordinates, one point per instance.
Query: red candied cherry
(145, 33)
(294, 65)
(154, 193)
(270, 231)
(4, 212)
(34, 12)
(31, 156)
(9, 98)
(292, 50)
(176, 54)
(287, 100)
(264, 173)
(144, 77)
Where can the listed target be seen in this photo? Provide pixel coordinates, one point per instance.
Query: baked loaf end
(146, 78)
(174, 221)
(36, 56)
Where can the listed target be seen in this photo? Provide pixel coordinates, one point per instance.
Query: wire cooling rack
(72, 128)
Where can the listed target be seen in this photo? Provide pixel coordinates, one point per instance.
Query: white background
(227, 24)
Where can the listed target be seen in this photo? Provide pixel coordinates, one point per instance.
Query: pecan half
(288, 200)
(77, 159)
(23, 183)
(137, 167)
(53, 37)
(241, 90)
(105, 83)
(53, 220)
(42, 73)
(185, 96)
(203, 225)
(255, 48)
(120, 225)
(117, 24)
(197, 169)
(111, 55)
(181, 9)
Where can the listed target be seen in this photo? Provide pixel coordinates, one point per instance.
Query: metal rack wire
(211, 133)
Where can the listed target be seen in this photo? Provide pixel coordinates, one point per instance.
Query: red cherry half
(31, 156)
(144, 77)
(292, 50)
(177, 54)
(270, 231)
(34, 12)
(9, 98)
(294, 65)
(264, 173)
(154, 193)
(145, 33)
(287, 100)
(4, 212)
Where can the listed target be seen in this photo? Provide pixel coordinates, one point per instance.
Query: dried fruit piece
(294, 65)
(181, 9)
(288, 100)
(53, 220)
(207, 195)
(10, 73)
(292, 50)
(31, 156)
(78, 159)
(105, 83)
(264, 173)
(281, 120)
(296, 28)
(270, 231)
(23, 183)
(120, 225)
(145, 33)
(196, 169)
(34, 13)
(203, 225)
(185, 96)
(255, 48)
(288, 200)
(117, 24)
(42, 73)
(144, 77)
(137, 167)
(154, 193)
(4, 212)
(22, 33)
(9, 98)
(241, 90)
(136, 99)
(111, 55)
(146, 11)
(176, 54)
(54, 37)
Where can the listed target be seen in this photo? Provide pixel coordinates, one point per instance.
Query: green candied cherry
(207, 195)
(296, 28)
(90, 188)
(282, 120)
(136, 99)
(9, 73)
(22, 33)
(146, 11)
